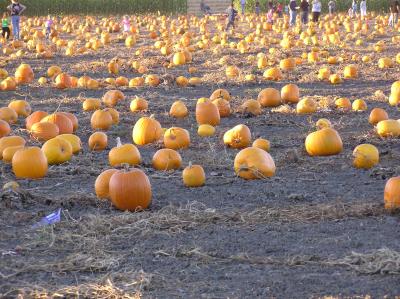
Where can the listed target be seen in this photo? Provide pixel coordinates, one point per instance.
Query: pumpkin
(138, 104)
(29, 163)
(9, 115)
(112, 97)
(121, 81)
(101, 120)
(254, 163)
(4, 128)
(324, 73)
(182, 81)
(166, 159)
(250, 107)
(359, 105)
(72, 118)
(207, 113)
(365, 156)
(8, 141)
(350, 71)
(335, 79)
(392, 193)
(324, 142)
(287, 64)
(57, 151)
(35, 117)
(179, 58)
(63, 123)
(53, 71)
(223, 106)
(193, 176)
(98, 141)
(232, 72)
(261, 143)
(343, 103)
(63, 81)
(9, 152)
(113, 67)
(21, 107)
(74, 140)
(269, 97)
(238, 137)
(44, 131)
(24, 74)
(176, 138)
(220, 93)
(178, 110)
(152, 80)
(124, 154)
(91, 104)
(205, 130)
(102, 183)
(146, 130)
(130, 190)
(388, 128)
(323, 123)
(8, 84)
(306, 105)
(290, 93)
(136, 82)
(273, 74)
(377, 115)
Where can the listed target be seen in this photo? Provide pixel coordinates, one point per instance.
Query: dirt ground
(315, 229)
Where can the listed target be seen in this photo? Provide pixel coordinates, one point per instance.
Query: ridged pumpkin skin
(238, 137)
(254, 163)
(72, 118)
(124, 154)
(365, 156)
(207, 113)
(98, 141)
(35, 117)
(392, 193)
(194, 176)
(388, 128)
(29, 163)
(63, 123)
(176, 138)
(178, 110)
(270, 97)
(44, 131)
(146, 130)
(166, 159)
(8, 152)
(325, 142)
(8, 141)
(130, 190)
(101, 185)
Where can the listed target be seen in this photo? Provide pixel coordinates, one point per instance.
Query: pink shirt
(127, 25)
(49, 22)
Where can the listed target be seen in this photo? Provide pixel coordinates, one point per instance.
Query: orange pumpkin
(223, 106)
(63, 123)
(101, 120)
(124, 154)
(8, 115)
(220, 93)
(324, 142)
(392, 193)
(112, 97)
(21, 107)
(44, 131)
(207, 113)
(35, 117)
(24, 74)
(102, 183)
(238, 137)
(178, 110)
(4, 128)
(193, 176)
(254, 163)
(8, 141)
(63, 81)
(166, 159)
(29, 163)
(376, 115)
(138, 104)
(146, 130)
(290, 93)
(176, 138)
(98, 141)
(269, 97)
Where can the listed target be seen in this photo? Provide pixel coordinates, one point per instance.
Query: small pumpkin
(359, 105)
(290, 93)
(269, 97)
(4, 128)
(261, 143)
(238, 137)
(138, 104)
(176, 138)
(9, 152)
(9, 115)
(91, 104)
(102, 183)
(124, 154)
(377, 115)
(223, 106)
(220, 93)
(193, 176)
(306, 105)
(35, 117)
(365, 156)
(146, 130)
(63, 81)
(323, 123)
(324, 142)
(205, 130)
(57, 151)
(113, 97)
(24, 74)
(21, 107)
(29, 163)
(343, 103)
(74, 140)
(63, 123)
(254, 163)
(166, 159)
(101, 120)
(8, 141)
(98, 141)
(44, 131)
(207, 113)
(251, 106)
(178, 110)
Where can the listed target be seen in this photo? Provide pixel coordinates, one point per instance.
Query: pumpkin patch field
(186, 161)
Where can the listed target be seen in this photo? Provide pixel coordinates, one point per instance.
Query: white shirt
(363, 5)
(316, 7)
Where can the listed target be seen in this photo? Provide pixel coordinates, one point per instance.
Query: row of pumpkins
(252, 162)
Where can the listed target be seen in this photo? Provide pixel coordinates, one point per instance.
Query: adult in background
(205, 8)
(304, 8)
(363, 9)
(243, 5)
(16, 9)
(331, 7)
(354, 9)
(394, 12)
(292, 12)
(316, 10)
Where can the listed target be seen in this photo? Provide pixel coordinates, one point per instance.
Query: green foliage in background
(99, 7)
(341, 5)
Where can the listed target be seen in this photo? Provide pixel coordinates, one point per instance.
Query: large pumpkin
(176, 138)
(207, 113)
(44, 131)
(21, 107)
(365, 156)
(146, 130)
(166, 159)
(324, 142)
(57, 151)
(9, 115)
(178, 110)
(388, 128)
(74, 140)
(101, 120)
(377, 115)
(238, 137)
(29, 163)
(254, 163)
(130, 190)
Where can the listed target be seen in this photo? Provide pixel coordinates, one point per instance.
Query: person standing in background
(354, 8)
(363, 9)
(394, 13)
(231, 12)
(331, 7)
(5, 29)
(279, 9)
(16, 9)
(292, 12)
(48, 25)
(316, 10)
(243, 5)
(304, 8)
(257, 8)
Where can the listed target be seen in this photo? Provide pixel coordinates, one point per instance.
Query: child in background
(127, 24)
(257, 8)
(5, 29)
(231, 12)
(270, 15)
(48, 25)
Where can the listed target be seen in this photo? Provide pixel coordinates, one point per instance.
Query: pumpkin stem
(190, 164)
(119, 142)
(125, 166)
